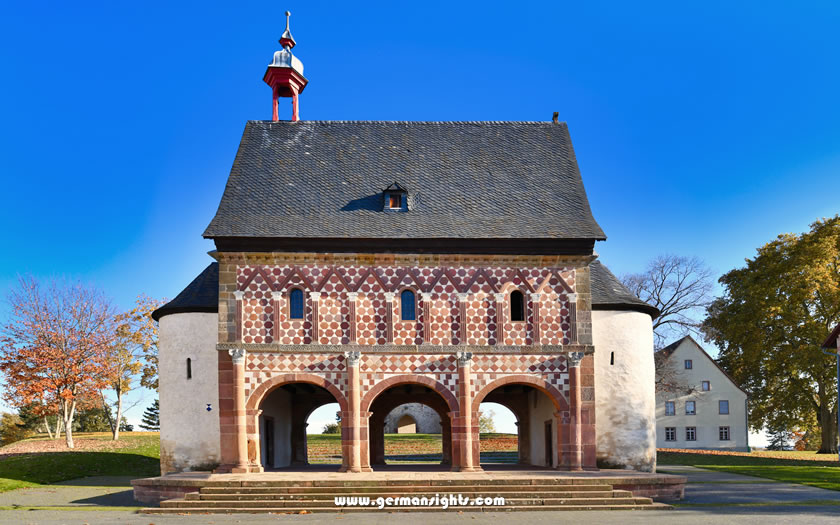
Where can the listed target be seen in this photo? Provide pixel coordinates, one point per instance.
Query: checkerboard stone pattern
(265, 319)
(438, 367)
(261, 366)
(488, 368)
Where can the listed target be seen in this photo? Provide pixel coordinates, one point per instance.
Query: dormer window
(395, 198)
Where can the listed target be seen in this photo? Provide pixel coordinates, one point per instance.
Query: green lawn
(804, 468)
(140, 458)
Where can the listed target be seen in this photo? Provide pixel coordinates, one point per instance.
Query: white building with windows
(697, 404)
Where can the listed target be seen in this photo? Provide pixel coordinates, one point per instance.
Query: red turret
(285, 74)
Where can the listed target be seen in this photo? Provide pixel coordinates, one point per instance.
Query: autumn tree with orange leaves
(54, 347)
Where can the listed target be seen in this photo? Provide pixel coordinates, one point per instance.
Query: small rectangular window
(691, 433)
(690, 408)
(670, 409)
(688, 364)
(723, 433)
(723, 406)
(670, 433)
(395, 202)
(706, 386)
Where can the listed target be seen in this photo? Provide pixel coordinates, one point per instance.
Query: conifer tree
(151, 417)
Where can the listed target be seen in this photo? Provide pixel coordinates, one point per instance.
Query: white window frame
(693, 431)
(673, 433)
(722, 431)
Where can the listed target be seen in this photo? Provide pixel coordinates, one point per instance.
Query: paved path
(709, 486)
(95, 491)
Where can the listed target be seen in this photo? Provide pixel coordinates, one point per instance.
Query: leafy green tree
(92, 419)
(331, 428)
(151, 417)
(780, 437)
(770, 323)
(125, 426)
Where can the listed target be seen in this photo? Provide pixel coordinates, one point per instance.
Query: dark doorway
(549, 449)
(269, 441)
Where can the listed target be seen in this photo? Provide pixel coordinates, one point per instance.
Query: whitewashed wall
(540, 410)
(427, 420)
(625, 404)
(277, 406)
(707, 419)
(189, 433)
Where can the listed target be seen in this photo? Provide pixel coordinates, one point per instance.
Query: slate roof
(201, 295)
(609, 294)
(466, 180)
(831, 341)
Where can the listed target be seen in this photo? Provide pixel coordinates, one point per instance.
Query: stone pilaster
(462, 318)
(572, 318)
(535, 315)
(389, 318)
(238, 296)
(315, 316)
(427, 317)
(277, 297)
(352, 297)
(501, 318)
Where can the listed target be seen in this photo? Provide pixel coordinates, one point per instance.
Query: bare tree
(680, 288)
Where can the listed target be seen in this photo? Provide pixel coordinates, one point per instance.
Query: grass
(791, 467)
(139, 458)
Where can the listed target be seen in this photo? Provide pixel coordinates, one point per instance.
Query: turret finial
(287, 40)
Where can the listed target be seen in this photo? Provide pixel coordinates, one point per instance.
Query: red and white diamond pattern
(444, 283)
(260, 367)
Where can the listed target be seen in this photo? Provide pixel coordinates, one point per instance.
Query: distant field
(806, 468)
(40, 460)
(411, 448)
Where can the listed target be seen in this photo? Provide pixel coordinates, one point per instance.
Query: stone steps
(267, 510)
(518, 494)
(401, 489)
(195, 496)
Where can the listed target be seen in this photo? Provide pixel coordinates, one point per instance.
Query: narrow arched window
(517, 306)
(407, 310)
(189, 368)
(296, 304)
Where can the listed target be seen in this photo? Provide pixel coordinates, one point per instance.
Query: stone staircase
(423, 496)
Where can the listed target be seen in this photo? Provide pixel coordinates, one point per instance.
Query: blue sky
(701, 129)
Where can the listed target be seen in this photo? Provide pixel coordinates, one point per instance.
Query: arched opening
(407, 306)
(296, 304)
(406, 425)
(517, 306)
(430, 444)
(498, 428)
(535, 405)
(286, 439)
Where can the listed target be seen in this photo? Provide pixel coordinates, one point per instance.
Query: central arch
(385, 396)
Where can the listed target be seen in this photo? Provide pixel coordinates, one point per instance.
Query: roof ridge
(429, 122)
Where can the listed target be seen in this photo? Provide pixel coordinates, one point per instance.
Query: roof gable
(690, 344)
(465, 180)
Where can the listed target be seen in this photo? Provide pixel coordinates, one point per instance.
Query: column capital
(352, 295)
(238, 355)
(238, 295)
(574, 358)
(572, 297)
(352, 357)
(314, 295)
(389, 296)
(426, 296)
(500, 297)
(464, 358)
(463, 296)
(535, 296)
(276, 295)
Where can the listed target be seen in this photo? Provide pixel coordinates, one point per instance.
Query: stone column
(389, 318)
(238, 295)
(351, 299)
(501, 317)
(463, 427)
(427, 317)
(572, 318)
(573, 450)
(239, 414)
(535, 314)
(462, 318)
(315, 297)
(353, 446)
